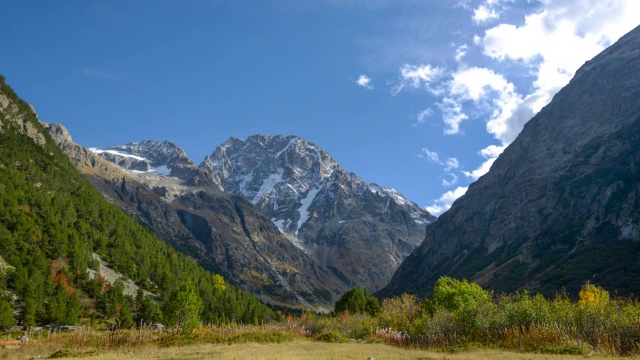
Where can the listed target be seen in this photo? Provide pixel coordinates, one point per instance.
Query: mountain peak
(319, 206)
(158, 153)
(147, 156)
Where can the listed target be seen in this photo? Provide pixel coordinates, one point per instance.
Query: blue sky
(416, 95)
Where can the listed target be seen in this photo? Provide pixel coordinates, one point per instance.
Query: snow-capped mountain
(146, 156)
(225, 233)
(360, 231)
(157, 158)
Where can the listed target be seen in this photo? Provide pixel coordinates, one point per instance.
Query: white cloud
(364, 81)
(489, 10)
(448, 165)
(483, 169)
(444, 202)
(492, 151)
(484, 88)
(450, 183)
(423, 116)
(451, 164)
(430, 155)
(555, 41)
(461, 51)
(418, 76)
(483, 14)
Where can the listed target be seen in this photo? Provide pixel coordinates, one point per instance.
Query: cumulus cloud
(483, 14)
(555, 41)
(552, 43)
(444, 202)
(419, 76)
(483, 88)
(489, 10)
(483, 169)
(364, 81)
(549, 46)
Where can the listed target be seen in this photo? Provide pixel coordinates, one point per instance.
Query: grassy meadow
(460, 321)
(241, 343)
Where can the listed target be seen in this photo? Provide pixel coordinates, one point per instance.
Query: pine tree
(74, 310)
(7, 320)
(125, 319)
(149, 311)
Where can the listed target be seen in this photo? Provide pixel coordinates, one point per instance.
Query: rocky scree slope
(560, 206)
(360, 231)
(159, 186)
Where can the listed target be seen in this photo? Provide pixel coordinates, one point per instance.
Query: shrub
(400, 313)
(333, 336)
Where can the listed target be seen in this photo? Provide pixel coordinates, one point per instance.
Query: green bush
(333, 336)
(357, 301)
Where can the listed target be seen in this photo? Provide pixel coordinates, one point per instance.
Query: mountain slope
(360, 231)
(227, 234)
(53, 224)
(560, 205)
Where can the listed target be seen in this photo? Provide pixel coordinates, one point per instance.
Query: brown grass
(299, 348)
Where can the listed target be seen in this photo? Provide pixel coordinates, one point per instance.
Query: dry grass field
(299, 348)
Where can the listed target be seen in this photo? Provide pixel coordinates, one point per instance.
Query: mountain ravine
(560, 206)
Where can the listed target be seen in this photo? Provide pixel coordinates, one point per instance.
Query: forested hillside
(52, 221)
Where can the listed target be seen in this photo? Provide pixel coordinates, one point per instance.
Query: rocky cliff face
(560, 206)
(360, 231)
(226, 234)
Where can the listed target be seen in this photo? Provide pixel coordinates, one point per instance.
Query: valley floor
(298, 349)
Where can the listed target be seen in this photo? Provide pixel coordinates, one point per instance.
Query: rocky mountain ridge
(559, 206)
(226, 234)
(360, 232)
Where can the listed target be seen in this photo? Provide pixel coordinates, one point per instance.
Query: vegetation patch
(332, 336)
(68, 353)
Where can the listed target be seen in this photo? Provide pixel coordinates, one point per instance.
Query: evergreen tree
(183, 308)
(74, 310)
(125, 319)
(149, 311)
(7, 320)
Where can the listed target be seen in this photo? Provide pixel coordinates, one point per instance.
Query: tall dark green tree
(74, 310)
(125, 319)
(7, 320)
(149, 312)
